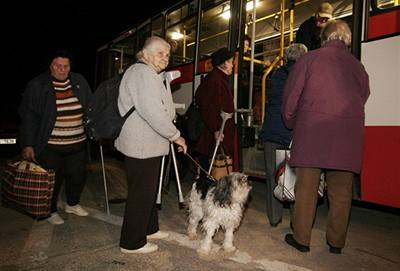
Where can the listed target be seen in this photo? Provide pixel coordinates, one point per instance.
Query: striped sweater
(68, 128)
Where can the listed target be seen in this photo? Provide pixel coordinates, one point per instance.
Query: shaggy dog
(217, 204)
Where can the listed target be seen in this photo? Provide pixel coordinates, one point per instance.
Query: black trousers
(141, 217)
(68, 166)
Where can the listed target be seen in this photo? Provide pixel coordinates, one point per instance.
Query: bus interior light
(249, 5)
(176, 35)
(226, 12)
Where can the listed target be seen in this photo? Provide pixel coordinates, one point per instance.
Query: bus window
(103, 67)
(181, 32)
(214, 29)
(142, 34)
(124, 53)
(157, 26)
(177, 15)
(268, 21)
(385, 4)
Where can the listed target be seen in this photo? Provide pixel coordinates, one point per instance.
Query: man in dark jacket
(309, 31)
(274, 133)
(52, 129)
(213, 95)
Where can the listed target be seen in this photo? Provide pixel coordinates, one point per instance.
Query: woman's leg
(140, 213)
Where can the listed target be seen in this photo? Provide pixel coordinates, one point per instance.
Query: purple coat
(323, 103)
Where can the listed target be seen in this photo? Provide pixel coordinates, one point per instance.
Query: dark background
(35, 29)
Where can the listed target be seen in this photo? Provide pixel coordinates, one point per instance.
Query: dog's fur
(219, 204)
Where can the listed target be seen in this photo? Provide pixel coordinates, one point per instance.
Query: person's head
(294, 51)
(60, 65)
(174, 45)
(336, 30)
(246, 45)
(323, 14)
(223, 60)
(155, 53)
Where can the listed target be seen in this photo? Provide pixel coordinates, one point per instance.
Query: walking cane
(178, 179)
(158, 201)
(225, 116)
(169, 77)
(104, 178)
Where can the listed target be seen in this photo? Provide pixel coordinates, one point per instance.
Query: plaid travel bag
(28, 187)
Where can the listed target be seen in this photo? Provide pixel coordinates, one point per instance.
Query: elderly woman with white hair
(144, 139)
(274, 133)
(323, 103)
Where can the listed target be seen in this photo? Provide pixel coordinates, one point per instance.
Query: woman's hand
(218, 136)
(180, 141)
(28, 154)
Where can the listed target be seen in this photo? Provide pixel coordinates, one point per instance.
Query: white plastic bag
(285, 178)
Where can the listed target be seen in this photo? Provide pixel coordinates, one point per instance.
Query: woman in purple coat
(323, 103)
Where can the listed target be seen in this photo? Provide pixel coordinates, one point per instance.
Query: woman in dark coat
(213, 95)
(274, 133)
(323, 103)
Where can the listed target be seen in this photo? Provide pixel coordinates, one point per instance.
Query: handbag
(222, 165)
(28, 187)
(285, 178)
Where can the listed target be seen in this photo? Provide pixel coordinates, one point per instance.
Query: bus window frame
(375, 10)
(163, 28)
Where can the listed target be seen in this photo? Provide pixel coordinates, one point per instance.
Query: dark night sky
(33, 30)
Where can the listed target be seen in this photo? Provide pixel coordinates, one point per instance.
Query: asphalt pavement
(92, 243)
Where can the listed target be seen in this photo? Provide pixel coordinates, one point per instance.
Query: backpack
(194, 122)
(103, 118)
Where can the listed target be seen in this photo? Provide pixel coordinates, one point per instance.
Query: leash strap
(201, 168)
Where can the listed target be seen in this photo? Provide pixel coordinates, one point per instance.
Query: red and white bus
(196, 28)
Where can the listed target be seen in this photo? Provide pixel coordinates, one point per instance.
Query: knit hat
(220, 56)
(325, 10)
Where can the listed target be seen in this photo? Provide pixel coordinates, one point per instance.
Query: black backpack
(194, 122)
(103, 121)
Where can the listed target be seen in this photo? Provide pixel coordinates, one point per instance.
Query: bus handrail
(257, 61)
(264, 84)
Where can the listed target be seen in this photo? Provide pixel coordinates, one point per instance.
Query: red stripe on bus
(380, 176)
(384, 24)
(187, 71)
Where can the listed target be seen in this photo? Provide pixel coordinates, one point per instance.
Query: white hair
(336, 30)
(150, 45)
(294, 51)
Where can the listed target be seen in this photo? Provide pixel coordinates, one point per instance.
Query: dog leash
(201, 168)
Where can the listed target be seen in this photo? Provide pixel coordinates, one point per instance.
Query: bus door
(380, 55)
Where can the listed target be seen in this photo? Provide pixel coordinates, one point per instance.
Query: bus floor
(92, 243)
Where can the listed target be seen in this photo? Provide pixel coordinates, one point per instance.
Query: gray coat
(149, 129)
(323, 103)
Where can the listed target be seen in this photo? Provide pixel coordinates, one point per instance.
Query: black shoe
(334, 250)
(291, 241)
(275, 224)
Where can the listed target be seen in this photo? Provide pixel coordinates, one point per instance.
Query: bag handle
(225, 158)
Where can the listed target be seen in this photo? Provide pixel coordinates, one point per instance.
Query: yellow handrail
(246, 58)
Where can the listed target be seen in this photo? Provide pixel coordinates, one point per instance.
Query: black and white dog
(217, 204)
